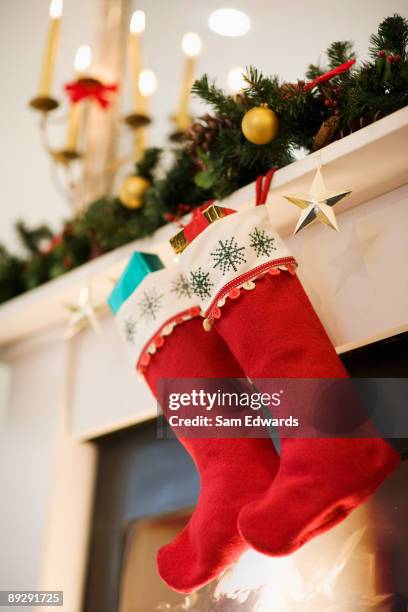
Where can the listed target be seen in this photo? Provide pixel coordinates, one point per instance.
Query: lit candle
(82, 63)
(236, 79)
(51, 48)
(147, 85)
(137, 27)
(191, 45)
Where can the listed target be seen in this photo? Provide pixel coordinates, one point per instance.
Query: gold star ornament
(317, 204)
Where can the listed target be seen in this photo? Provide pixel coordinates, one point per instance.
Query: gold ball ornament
(132, 191)
(260, 125)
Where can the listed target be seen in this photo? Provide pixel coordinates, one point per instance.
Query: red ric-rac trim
(232, 289)
(157, 341)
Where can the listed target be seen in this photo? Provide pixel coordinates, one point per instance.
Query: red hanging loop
(262, 185)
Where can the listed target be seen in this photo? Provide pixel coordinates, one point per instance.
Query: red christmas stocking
(168, 341)
(245, 279)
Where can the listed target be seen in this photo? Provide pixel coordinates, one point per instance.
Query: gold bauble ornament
(132, 190)
(260, 125)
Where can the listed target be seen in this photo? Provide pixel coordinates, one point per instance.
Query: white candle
(136, 29)
(82, 63)
(51, 47)
(191, 45)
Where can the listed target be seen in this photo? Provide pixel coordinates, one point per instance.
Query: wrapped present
(139, 266)
(197, 225)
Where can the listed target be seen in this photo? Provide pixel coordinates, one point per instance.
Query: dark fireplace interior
(147, 487)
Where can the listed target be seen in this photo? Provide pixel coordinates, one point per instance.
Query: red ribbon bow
(90, 88)
(330, 74)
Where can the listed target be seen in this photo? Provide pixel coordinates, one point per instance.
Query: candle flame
(236, 79)
(147, 82)
(191, 44)
(83, 58)
(137, 22)
(56, 9)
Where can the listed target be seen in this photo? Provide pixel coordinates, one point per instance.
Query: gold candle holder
(45, 104)
(65, 156)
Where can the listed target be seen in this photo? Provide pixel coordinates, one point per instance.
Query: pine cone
(355, 124)
(289, 90)
(242, 98)
(203, 133)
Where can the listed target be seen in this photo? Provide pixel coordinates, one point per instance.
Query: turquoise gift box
(139, 266)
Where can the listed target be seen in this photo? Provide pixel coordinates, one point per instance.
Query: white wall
(27, 437)
(284, 38)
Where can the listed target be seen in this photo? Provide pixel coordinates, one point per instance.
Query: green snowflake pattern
(181, 287)
(200, 283)
(130, 329)
(261, 242)
(228, 256)
(150, 305)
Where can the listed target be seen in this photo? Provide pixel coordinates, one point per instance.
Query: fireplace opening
(147, 488)
(140, 586)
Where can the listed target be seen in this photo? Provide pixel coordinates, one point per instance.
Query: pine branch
(11, 269)
(178, 185)
(313, 71)
(216, 98)
(254, 78)
(31, 238)
(392, 36)
(340, 52)
(260, 88)
(147, 165)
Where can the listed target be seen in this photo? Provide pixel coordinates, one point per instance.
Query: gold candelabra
(87, 92)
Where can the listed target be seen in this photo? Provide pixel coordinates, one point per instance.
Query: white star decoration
(84, 313)
(317, 204)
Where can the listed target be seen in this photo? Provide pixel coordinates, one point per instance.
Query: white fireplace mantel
(370, 162)
(354, 277)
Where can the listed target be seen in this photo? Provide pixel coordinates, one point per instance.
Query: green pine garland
(224, 160)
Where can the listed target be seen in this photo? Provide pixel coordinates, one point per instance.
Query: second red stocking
(246, 282)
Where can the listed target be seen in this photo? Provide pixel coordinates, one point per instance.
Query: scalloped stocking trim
(232, 290)
(157, 341)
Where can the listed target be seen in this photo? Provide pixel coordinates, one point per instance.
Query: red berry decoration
(68, 262)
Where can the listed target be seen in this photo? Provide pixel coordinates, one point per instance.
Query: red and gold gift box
(197, 225)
